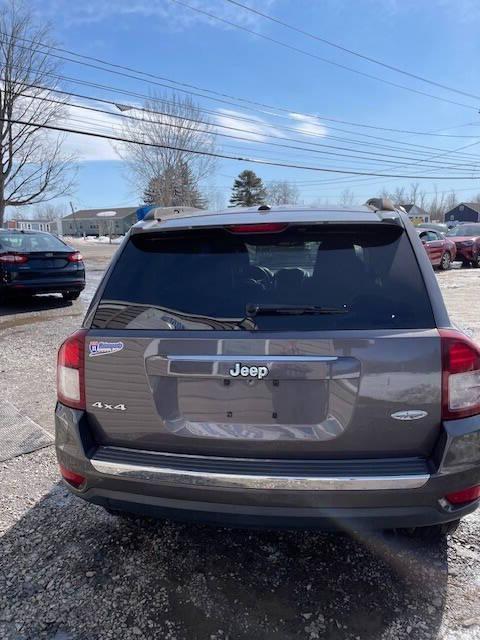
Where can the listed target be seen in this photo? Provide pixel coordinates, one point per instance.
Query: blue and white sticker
(97, 348)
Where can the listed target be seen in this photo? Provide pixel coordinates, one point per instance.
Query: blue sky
(437, 39)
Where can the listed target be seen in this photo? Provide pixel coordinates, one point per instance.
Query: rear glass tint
(30, 242)
(206, 279)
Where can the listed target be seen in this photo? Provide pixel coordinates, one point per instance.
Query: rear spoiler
(154, 212)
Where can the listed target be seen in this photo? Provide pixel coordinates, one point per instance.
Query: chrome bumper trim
(165, 475)
(246, 358)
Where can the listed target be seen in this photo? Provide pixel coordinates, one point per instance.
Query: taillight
(75, 257)
(71, 371)
(460, 375)
(13, 258)
(264, 227)
(464, 496)
(75, 479)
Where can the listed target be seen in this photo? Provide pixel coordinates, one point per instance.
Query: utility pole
(74, 219)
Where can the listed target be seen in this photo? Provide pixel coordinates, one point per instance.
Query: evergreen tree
(248, 190)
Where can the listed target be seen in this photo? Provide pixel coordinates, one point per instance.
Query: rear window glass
(304, 278)
(30, 242)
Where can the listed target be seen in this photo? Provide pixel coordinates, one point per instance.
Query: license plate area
(299, 397)
(253, 401)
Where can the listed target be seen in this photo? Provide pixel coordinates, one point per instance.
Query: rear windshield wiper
(253, 310)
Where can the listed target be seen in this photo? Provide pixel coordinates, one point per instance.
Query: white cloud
(255, 130)
(89, 148)
(170, 15)
(309, 126)
(249, 128)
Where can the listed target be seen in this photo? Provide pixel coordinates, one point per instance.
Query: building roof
(471, 205)
(101, 214)
(34, 220)
(410, 206)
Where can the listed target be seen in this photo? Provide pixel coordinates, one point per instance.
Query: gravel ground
(70, 571)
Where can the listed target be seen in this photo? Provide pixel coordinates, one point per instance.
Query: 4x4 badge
(248, 372)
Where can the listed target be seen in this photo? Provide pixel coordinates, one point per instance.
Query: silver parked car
(274, 367)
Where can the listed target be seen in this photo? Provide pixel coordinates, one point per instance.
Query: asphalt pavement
(70, 571)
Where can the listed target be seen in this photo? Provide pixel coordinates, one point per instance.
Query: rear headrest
(220, 266)
(289, 277)
(336, 256)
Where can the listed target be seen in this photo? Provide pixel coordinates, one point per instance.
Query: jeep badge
(248, 372)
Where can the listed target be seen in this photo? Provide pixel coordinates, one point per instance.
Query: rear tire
(446, 261)
(70, 295)
(476, 262)
(434, 532)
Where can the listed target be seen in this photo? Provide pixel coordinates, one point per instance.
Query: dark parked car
(467, 239)
(274, 367)
(441, 251)
(38, 262)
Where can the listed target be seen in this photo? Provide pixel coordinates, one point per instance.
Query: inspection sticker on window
(97, 348)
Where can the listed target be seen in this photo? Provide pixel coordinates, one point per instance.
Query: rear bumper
(466, 254)
(44, 286)
(224, 514)
(190, 488)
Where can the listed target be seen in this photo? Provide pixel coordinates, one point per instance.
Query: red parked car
(467, 240)
(440, 249)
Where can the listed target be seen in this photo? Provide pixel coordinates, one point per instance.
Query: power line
(349, 179)
(266, 124)
(220, 155)
(350, 51)
(198, 88)
(255, 122)
(237, 118)
(322, 59)
(244, 139)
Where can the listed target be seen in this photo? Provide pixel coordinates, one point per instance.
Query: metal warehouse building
(99, 222)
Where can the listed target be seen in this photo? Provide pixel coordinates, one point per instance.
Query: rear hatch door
(343, 357)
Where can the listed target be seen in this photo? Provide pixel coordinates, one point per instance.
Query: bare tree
(282, 192)
(451, 201)
(437, 205)
(412, 196)
(107, 228)
(33, 167)
(399, 196)
(215, 198)
(177, 125)
(46, 211)
(347, 197)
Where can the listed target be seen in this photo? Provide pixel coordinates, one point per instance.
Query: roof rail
(380, 204)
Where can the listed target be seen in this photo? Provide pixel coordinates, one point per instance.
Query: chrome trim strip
(166, 475)
(248, 358)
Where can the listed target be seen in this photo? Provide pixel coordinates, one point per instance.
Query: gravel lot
(69, 571)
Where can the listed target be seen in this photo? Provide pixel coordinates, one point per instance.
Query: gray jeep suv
(285, 367)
